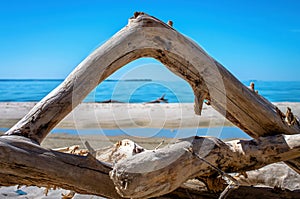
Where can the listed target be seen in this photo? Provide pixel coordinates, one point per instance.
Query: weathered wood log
(273, 175)
(242, 192)
(24, 162)
(159, 100)
(146, 36)
(285, 177)
(155, 173)
(276, 175)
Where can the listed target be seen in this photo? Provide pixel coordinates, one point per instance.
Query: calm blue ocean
(138, 91)
(144, 91)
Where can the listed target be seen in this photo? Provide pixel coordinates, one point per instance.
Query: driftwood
(149, 173)
(285, 178)
(23, 162)
(154, 173)
(146, 36)
(161, 99)
(240, 193)
(164, 169)
(111, 101)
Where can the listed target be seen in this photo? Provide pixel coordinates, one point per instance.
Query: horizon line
(133, 79)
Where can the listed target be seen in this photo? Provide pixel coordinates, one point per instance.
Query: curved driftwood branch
(149, 173)
(155, 173)
(146, 36)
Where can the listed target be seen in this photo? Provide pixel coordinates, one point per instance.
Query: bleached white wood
(146, 36)
(155, 173)
(137, 173)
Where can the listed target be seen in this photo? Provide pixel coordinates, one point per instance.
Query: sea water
(139, 91)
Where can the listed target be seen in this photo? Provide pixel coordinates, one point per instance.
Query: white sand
(37, 193)
(96, 115)
(119, 115)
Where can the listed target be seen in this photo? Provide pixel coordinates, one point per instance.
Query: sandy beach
(123, 115)
(112, 116)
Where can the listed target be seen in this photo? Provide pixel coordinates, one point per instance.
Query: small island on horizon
(129, 80)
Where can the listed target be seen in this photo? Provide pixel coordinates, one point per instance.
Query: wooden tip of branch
(290, 118)
(199, 99)
(170, 23)
(198, 106)
(136, 14)
(90, 149)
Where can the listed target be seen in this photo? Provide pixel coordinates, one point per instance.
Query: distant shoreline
(109, 80)
(135, 90)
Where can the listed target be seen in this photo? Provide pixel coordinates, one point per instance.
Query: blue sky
(257, 39)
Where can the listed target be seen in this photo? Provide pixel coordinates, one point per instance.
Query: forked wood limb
(146, 36)
(149, 173)
(155, 173)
